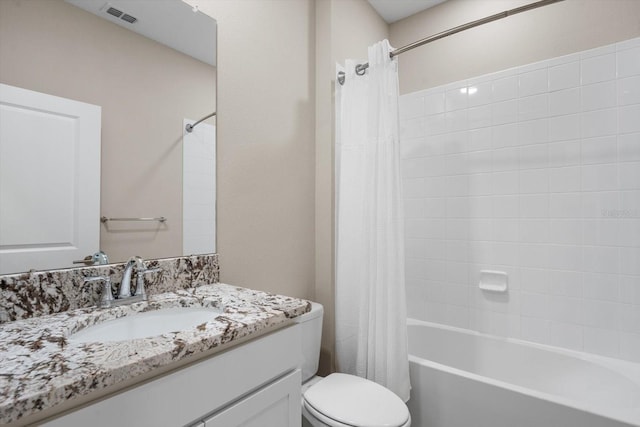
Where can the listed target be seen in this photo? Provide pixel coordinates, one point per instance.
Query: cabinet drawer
(276, 405)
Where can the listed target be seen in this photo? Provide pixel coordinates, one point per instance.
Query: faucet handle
(107, 296)
(140, 290)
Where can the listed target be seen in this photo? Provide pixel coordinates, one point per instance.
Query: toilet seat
(342, 400)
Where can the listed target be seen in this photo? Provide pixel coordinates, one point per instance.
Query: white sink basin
(147, 324)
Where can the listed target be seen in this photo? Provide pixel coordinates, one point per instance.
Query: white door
(49, 180)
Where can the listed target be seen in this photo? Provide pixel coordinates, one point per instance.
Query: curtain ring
(361, 69)
(341, 77)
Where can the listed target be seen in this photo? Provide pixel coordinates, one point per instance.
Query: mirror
(149, 84)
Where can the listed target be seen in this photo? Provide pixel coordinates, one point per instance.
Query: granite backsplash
(37, 293)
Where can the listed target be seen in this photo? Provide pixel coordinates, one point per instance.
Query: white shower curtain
(371, 333)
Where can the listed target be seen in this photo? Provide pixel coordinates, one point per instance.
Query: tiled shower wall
(534, 171)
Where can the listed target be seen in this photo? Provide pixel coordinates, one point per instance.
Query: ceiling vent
(119, 14)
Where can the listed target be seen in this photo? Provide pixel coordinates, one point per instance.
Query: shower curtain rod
(189, 128)
(360, 68)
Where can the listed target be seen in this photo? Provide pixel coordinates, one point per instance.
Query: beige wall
(53, 47)
(266, 161)
(550, 31)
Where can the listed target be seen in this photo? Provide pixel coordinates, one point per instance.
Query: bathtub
(461, 378)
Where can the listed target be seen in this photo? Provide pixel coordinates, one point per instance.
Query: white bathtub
(464, 379)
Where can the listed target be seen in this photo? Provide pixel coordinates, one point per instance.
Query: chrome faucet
(125, 285)
(140, 294)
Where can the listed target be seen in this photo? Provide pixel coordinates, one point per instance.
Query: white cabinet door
(276, 405)
(49, 180)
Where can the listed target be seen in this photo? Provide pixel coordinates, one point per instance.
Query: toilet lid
(357, 402)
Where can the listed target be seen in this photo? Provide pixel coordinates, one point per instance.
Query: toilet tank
(311, 331)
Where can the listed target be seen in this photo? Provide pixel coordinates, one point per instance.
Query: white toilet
(341, 400)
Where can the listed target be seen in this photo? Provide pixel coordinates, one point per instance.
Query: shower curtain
(371, 333)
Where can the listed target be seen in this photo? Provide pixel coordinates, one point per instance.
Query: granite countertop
(41, 368)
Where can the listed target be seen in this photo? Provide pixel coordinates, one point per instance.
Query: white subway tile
(456, 120)
(534, 231)
(480, 229)
(565, 205)
(629, 264)
(629, 176)
(629, 90)
(630, 230)
(602, 341)
(566, 153)
(564, 180)
(533, 82)
(600, 177)
(600, 123)
(535, 206)
(534, 329)
(480, 93)
(480, 207)
(602, 259)
(534, 280)
(433, 187)
(567, 283)
(598, 51)
(504, 112)
(435, 270)
(628, 62)
(601, 232)
(598, 68)
(456, 99)
(566, 231)
(433, 166)
(413, 128)
(504, 183)
(603, 204)
(479, 117)
(564, 102)
(505, 206)
(567, 335)
(505, 136)
(434, 124)
(414, 208)
(628, 44)
(415, 248)
(533, 132)
(534, 305)
(480, 252)
(504, 159)
(455, 142)
(630, 347)
(435, 207)
(410, 106)
(434, 103)
(412, 187)
(562, 128)
(457, 185)
(533, 156)
(455, 229)
(479, 162)
(533, 107)
(598, 96)
(456, 164)
(628, 118)
(480, 184)
(601, 314)
(534, 256)
(480, 139)
(457, 252)
(630, 203)
(565, 257)
(599, 150)
(504, 253)
(565, 309)
(534, 181)
(602, 287)
(564, 76)
(505, 89)
(506, 230)
(630, 289)
(433, 249)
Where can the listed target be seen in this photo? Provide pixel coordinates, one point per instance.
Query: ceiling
(172, 23)
(395, 10)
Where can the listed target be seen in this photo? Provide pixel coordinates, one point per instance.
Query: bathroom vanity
(241, 367)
